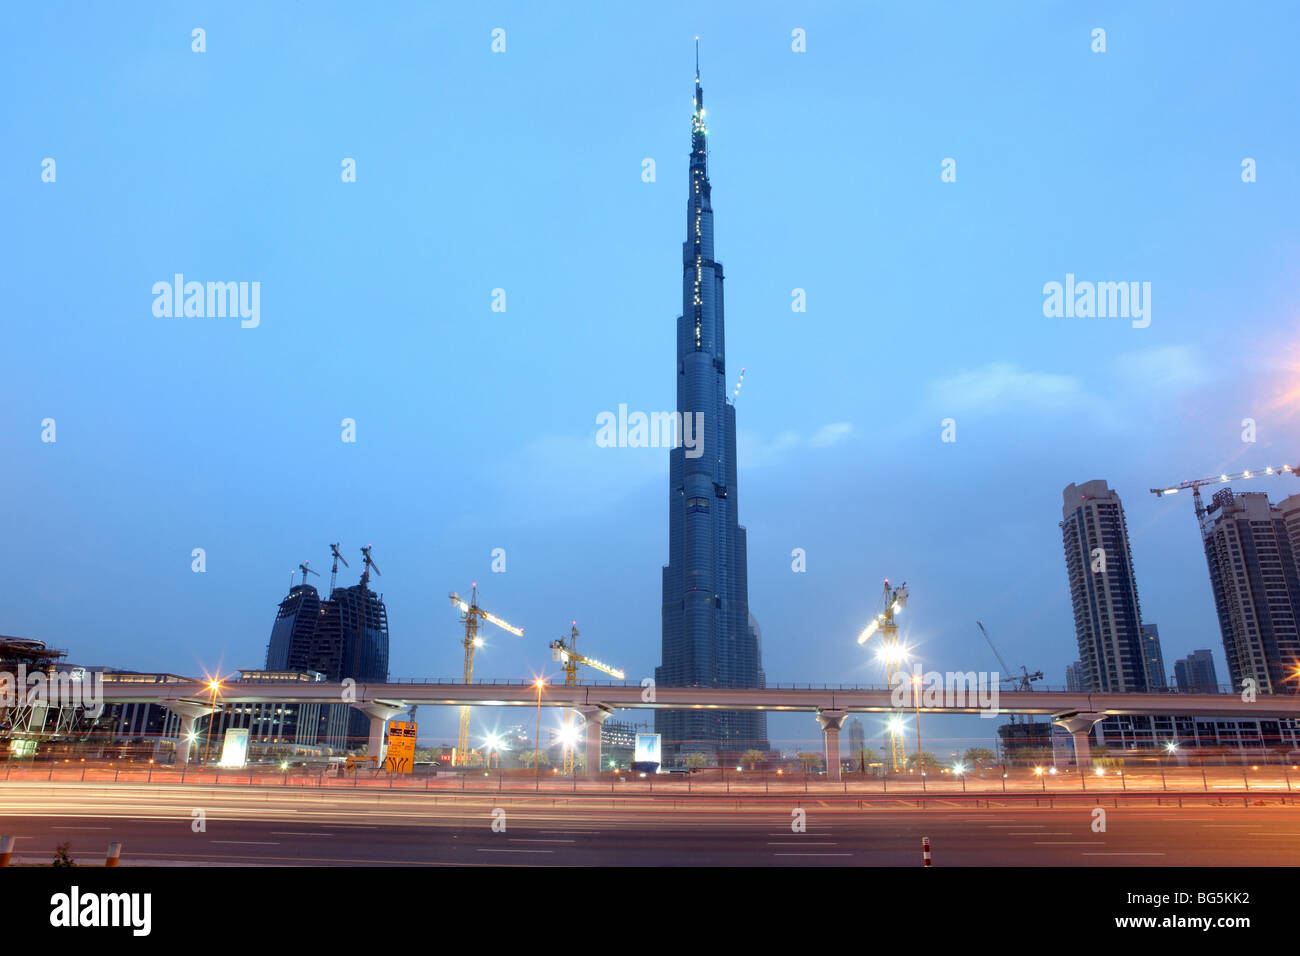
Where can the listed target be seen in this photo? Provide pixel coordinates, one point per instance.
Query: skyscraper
(345, 636)
(1195, 673)
(1152, 657)
(1249, 550)
(707, 638)
(294, 632)
(1103, 590)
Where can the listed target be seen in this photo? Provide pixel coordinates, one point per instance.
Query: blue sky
(522, 170)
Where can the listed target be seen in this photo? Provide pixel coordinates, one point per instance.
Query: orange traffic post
(114, 851)
(6, 849)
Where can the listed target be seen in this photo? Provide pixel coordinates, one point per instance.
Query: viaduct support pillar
(595, 718)
(380, 714)
(1078, 725)
(188, 711)
(831, 721)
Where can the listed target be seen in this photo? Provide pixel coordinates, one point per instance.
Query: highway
(256, 826)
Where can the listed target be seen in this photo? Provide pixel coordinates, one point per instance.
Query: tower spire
(697, 61)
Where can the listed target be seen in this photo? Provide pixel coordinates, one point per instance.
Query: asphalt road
(251, 826)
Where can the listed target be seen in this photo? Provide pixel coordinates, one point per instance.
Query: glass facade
(708, 640)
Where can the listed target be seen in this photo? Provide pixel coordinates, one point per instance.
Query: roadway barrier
(6, 849)
(114, 851)
(925, 851)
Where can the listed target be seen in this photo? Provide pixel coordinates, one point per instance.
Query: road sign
(401, 747)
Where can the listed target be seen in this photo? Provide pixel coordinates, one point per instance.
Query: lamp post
(213, 685)
(537, 744)
(916, 699)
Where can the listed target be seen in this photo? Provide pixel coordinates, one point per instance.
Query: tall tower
(1250, 551)
(1103, 590)
(707, 638)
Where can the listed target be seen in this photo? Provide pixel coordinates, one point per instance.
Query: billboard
(646, 756)
(401, 747)
(234, 753)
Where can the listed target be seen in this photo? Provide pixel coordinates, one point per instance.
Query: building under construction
(345, 636)
(27, 726)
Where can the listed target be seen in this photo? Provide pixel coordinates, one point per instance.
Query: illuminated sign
(646, 756)
(234, 753)
(401, 747)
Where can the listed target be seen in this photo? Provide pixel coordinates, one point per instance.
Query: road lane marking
(512, 850)
(247, 842)
(295, 833)
(528, 840)
(81, 828)
(812, 854)
(1065, 843)
(802, 843)
(1122, 853)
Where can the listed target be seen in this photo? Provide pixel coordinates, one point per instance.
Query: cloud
(997, 385)
(1163, 369)
(752, 450)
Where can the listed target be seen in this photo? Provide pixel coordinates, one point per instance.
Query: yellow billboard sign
(401, 747)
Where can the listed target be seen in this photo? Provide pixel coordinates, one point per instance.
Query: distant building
(293, 635)
(1252, 561)
(1103, 589)
(1195, 673)
(1153, 658)
(343, 637)
(1074, 677)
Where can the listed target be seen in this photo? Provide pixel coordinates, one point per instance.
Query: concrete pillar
(595, 718)
(831, 721)
(185, 744)
(189, 711)
(380, 713)
(1078, 725)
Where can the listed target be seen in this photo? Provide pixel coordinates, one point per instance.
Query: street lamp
(916, 699)
(537, 744)
(214, 685)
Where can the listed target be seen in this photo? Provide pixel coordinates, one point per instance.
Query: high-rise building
(708, 640)
(1195, 673)
(1074, 677)
(1252, 560)
(343, 637)
(1103, 590)
(294, 632)
(1152, 657)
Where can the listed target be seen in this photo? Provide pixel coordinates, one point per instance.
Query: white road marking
(247, 842)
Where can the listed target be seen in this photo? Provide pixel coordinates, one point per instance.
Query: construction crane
(334, 571)
(369, 565)
(306, 571)
(570, 659)
(1025, 680)
(1196, 484)
(471, 614)
(892, 654)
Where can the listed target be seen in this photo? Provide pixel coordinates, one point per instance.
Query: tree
(810, 761)
(543, 758)
(928, 761)
(751, 759)
(695, 760)
(866, 757)
(979, 757)
(61, 856)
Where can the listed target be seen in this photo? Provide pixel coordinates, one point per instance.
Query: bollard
(6, 849)
(925, 851)
(114, 851)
